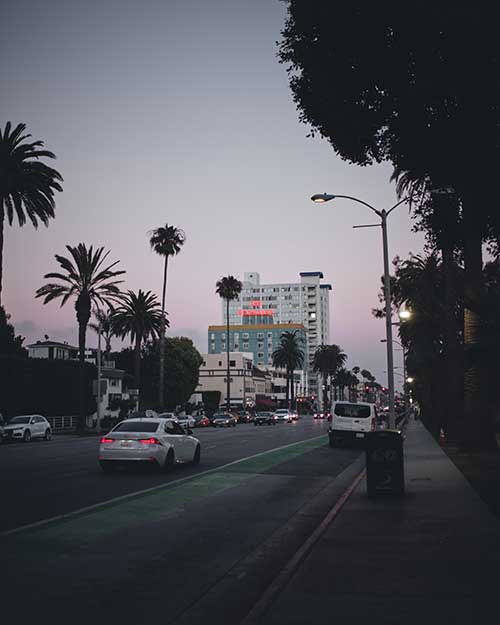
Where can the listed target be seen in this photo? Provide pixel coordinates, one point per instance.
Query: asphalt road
(201, 549)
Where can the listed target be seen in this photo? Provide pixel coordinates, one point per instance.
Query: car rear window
(352, 410)
(136, 426)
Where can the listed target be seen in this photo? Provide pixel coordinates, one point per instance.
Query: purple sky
(178, 111)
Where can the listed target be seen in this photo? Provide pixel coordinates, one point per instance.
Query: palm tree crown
(84, 278)
(104, 323)
(228, 288)
(167, 240)
(138, 316)
(27, 186)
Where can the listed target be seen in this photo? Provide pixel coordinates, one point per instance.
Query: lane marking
(278, 585)
(140, 493)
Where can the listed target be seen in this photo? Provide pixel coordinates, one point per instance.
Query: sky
(178, 111)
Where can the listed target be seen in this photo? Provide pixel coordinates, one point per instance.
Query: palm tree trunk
(161, 383)
(2, 220)
(82, 404)
(287, 396)
(137, 364)
(228, 370)
(477, 431)
(325, 391)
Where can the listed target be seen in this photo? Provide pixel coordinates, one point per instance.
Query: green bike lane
(116, 559)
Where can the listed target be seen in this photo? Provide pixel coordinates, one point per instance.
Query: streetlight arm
(405, 199)
(355, 199)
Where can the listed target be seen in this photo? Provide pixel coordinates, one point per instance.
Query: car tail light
(105, 439)
(372, 427)
(150, 441)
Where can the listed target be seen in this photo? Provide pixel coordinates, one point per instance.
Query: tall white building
(306, 302)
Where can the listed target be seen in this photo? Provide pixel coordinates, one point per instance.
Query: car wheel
(197, 455)
(48, 434)
(107, 467)
(27, 436)
(169, 461)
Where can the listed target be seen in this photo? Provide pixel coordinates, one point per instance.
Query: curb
(278, 585)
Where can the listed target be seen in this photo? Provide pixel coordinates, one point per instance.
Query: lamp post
(405, 392)
(383, 214)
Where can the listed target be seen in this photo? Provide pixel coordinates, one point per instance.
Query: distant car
(351, 422)
(264, 418)
(201, 421)
(164, 415)
(242, 416)
(223, 419)
(153, 441)
(283, 415)
(319, 415)
(187, 421)
(27, 427)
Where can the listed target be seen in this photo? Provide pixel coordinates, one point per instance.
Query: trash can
(384, 463)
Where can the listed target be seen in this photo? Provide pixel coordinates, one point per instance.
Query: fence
(59, 424)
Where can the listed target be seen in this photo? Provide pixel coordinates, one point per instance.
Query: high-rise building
(306, 302)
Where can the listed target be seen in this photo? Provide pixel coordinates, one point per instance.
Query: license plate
(126, 443)
(360, 435)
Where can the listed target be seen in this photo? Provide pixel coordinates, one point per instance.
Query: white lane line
(152, 489)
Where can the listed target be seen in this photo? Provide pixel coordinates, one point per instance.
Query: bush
(47, 387)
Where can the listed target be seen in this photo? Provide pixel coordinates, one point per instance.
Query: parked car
(283, 415)
(165, 415)
(350, 422)
(153, 441)
(264, 418)
(223, 419)
(26, 427)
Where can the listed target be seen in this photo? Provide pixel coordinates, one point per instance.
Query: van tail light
(372, 427)
(150, 441)
(105, 439)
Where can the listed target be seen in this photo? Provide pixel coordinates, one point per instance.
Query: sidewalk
(432, 556)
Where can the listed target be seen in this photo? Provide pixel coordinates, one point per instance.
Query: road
(201, 541)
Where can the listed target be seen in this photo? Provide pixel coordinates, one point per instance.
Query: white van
(350, 422)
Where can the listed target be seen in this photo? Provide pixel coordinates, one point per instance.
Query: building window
(232, 363)
(246, 335)
(212, 346)
(223, 346)
(236, 347)
(220, 363)
(245, 346)
(260, 355)
(260, 345)
(260, 335)
(236, 336)
(269, 335)
(223, 336)
(212, 336)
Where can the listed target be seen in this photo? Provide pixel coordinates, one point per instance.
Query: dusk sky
(178, 111)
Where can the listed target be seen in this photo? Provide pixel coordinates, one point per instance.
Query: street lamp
(383, 214)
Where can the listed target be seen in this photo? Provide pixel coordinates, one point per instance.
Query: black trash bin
(384, 463)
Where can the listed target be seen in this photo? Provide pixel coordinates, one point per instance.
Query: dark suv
(264, 418)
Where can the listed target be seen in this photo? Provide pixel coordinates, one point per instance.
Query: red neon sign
(257, 303)
(256, 313)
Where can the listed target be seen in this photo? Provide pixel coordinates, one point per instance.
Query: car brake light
(372, 428)
(150, 441)
(104, 439)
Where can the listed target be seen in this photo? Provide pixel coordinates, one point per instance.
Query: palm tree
(166, 241)
(105, 325)
(84, 278)
(139, 317)
(327, 360)
(228, 288)
(27, 186)
(289, 355)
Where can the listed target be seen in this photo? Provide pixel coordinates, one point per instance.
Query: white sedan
(154, 441)
(27, 427)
